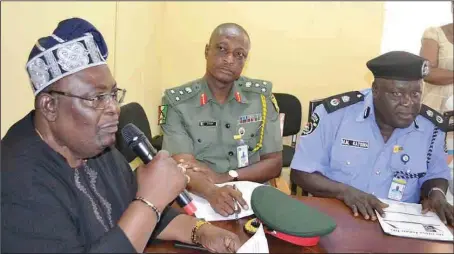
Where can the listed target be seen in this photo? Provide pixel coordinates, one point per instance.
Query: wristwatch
(233, 174)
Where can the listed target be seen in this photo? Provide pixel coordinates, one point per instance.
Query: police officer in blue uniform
(377, 143)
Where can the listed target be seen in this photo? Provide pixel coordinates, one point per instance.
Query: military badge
(238, 96)
(162, 114)
(203, 99)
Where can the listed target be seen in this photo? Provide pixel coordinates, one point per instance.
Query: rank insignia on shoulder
(434, 117)
(311, 125)
(255, 85)
(339, 101)
(182, 93)
(162, 114)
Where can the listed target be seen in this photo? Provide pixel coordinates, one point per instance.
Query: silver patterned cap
(63, 59)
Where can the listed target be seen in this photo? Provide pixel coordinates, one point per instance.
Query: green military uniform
(193, 122)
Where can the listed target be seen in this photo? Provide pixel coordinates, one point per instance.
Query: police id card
(396, 191)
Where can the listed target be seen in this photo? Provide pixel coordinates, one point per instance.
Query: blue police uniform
(343, 142)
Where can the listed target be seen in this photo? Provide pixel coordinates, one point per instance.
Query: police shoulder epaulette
(255, 85)
(343, 100)
(182, 93)
(434, 117)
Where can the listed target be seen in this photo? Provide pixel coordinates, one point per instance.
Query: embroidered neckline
(92, 174)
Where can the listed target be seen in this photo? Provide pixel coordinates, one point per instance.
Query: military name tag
(207, 123)
(355, 143)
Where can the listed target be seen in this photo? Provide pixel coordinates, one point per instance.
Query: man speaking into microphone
(65, 188)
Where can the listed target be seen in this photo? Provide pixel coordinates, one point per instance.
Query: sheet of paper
(205, 211)
(406, 220)
(256, 244)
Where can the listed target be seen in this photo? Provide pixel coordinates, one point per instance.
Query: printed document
(256, 244)
(406, 220)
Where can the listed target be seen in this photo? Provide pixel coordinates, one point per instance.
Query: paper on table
(406, 220)
(256, 244)
(205, 211)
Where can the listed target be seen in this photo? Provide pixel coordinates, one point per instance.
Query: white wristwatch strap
(436, 189)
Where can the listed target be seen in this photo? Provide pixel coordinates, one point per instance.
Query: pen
(189, 246)
(235, 205)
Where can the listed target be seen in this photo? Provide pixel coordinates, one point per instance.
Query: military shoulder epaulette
(343, 100)
(255, 85)
(434, 117)
(182, 93)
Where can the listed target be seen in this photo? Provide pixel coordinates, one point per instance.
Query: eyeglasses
(99, 101)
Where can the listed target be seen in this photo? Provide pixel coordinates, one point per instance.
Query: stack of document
(205, 211)
(406, 220)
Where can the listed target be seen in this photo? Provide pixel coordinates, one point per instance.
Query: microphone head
(131, 133)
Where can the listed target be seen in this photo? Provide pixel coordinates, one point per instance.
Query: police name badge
(396, 191)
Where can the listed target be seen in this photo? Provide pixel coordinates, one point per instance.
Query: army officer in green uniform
(224, 126)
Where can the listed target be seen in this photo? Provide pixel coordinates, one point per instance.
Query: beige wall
(310, 49)
(137, 66)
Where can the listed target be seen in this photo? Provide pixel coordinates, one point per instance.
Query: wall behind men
(310, 49)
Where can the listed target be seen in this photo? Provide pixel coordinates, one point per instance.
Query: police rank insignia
(162, 114)
(343, 100)
(435, 117)
(311, 125)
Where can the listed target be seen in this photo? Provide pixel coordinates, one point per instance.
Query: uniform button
(347, 162)
(199, 140)
(378, 172)
(227, 125)
(231, 153)
(252, 135)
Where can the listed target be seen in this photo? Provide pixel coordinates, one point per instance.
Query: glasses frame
(97, 97)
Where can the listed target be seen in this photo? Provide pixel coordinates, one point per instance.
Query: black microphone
(141, 146)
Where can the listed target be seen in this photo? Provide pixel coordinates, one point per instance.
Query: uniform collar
(234, 93)
(368, 112)
(237, 88)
